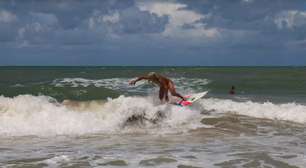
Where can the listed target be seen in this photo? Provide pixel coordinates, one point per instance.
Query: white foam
(288, 112)
(57, 160)
(17, 85)
(39, 115)
(122, 84)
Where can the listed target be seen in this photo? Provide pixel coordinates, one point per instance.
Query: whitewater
(89, 118)
(42, 115)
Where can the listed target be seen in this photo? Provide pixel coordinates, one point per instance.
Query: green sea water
(268, 83)
(90, 117)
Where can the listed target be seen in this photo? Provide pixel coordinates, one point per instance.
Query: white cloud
(96, 20)
(178, 17)
(99, 20)
(6, 16)
(127, 21)
(247, 1)
(39, 30)
(290, 19)
(91, 23)
(114, 18)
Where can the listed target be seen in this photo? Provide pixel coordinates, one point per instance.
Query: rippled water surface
(90, 117)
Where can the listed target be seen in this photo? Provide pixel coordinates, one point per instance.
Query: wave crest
(41, 115)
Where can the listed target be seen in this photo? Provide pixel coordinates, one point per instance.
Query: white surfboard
(191, 99)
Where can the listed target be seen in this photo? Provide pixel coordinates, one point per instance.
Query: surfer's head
(151, 74)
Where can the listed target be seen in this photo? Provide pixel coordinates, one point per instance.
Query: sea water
(91, 117)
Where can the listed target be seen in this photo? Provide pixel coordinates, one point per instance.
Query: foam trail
(40, 115)
(288, 112)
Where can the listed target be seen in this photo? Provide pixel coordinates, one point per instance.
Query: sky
(145, 33)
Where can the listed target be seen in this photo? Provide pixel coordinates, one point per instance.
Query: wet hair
(151, 73)
(152, 76)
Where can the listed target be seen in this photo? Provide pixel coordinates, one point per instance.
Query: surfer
(232, 91)
(164, 84)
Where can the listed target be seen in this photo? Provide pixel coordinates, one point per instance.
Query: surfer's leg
(173, 91)
(161, 93)
(166, 95)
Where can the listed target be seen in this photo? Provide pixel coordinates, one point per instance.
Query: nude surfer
(164, 84)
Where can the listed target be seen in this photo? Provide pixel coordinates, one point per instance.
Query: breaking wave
(42, 115)
(287, 112)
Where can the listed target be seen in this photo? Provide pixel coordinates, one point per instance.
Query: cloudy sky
(142, 32)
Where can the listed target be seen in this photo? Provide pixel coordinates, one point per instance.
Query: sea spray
(41, 115)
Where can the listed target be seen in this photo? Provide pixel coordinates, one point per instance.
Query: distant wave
(122, 84)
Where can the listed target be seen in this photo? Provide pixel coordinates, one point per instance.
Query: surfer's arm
(133, 82)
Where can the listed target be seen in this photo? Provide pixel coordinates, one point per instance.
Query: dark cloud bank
(126, 32)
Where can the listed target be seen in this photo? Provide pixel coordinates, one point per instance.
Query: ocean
(91, 117)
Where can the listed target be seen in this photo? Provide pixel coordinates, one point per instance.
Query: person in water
(232, 91)
(164, 84)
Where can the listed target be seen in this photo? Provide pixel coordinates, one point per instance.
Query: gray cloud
(271, 18)
(73, 22)
(218, 31)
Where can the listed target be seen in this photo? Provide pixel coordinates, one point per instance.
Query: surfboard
(191, 99)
